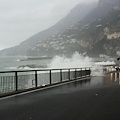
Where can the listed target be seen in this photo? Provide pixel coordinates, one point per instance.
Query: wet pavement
(95, 98)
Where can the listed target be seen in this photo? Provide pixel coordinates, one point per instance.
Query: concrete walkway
(96, 98)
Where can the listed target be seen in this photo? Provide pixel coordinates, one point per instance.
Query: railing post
(60, 75)
(36, 83)
(75, 73)
(50, 77)
(81, 72)
(89, 71)
(69, 73)
(16, 81)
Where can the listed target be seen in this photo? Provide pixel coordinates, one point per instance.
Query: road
(95, 98)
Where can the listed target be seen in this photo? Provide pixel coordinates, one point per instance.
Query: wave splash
(76, 61)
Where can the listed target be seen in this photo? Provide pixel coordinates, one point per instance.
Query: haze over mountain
(75, 15)
(88, 35)
(93, 32)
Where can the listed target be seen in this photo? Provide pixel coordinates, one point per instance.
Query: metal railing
(11, 81)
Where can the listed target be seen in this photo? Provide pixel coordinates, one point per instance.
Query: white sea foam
(76, 61)
(79, 61)
(11, 68)
(97, 70)
(105, 63)
(17, 60)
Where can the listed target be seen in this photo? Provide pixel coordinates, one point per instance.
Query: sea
(11, 63)
(27, 80)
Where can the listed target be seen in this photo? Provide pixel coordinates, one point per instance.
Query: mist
(21, 19)
(76, 61)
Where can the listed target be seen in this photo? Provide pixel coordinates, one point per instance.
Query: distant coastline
(33, 66)
(36, 58)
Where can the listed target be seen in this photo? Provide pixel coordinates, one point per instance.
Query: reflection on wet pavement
(87, 83)
(108, 79)
(112, 78)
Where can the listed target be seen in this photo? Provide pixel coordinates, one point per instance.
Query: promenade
(93, 98)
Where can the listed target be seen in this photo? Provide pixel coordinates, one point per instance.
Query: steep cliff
(98, 33)
(108, 3)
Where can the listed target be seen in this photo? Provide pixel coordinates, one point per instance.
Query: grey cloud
(20, 19)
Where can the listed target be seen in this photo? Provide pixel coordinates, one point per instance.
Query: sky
(20, 19)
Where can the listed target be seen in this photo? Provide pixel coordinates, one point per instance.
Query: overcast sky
(20, 19)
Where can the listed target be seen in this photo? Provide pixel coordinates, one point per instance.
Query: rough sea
(11, 63)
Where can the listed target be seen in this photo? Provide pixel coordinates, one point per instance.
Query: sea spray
(97, 70)
(76, 61)
(105, 63)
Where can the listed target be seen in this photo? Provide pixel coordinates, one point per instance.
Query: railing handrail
(23, 81)
(42, 70)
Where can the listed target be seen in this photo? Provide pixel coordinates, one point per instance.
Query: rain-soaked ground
(94, 98)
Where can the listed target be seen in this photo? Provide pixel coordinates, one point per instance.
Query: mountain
(75, 15)
(98, 33)
(94, 32)
(108, 3)
(107, 35)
